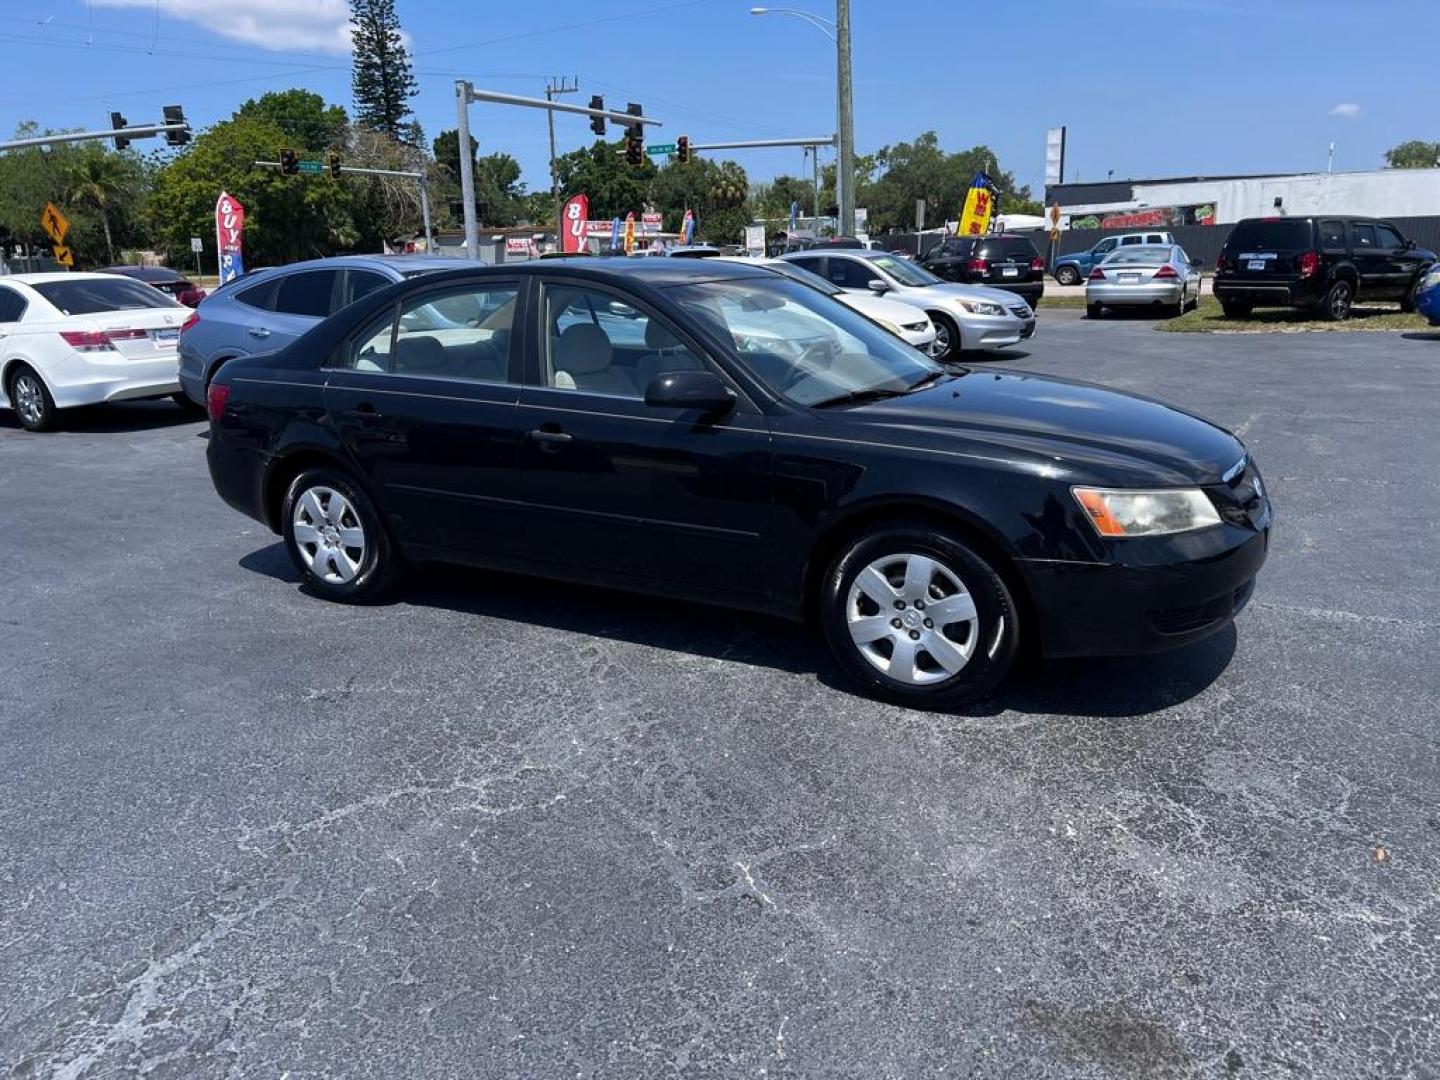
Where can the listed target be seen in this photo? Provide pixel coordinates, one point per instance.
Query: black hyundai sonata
(718, 432)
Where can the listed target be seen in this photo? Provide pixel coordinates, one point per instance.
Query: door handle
(550, 441)
(257, 331)
(364, 412)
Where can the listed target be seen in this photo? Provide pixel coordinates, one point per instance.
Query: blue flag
(794, 213)
(615, 227)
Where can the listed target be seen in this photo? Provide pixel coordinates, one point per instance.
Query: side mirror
(1409, 245)
(701, 390)
(877, 286)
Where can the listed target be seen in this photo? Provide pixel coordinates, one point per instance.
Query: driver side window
(851, 273)
(600, 344)
(1106, 246)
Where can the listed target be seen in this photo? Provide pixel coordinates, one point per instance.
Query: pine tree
(381, 76)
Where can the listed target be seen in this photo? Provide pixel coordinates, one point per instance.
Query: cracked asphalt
(505, 828)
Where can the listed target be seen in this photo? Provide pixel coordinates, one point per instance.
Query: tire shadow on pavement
(116, 419)
(1097, 687)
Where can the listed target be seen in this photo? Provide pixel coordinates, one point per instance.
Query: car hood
(953, 291)
(878, 308)
(1060, 428)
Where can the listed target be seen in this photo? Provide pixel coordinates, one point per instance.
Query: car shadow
(1120, 687)
(1422, 335)
(114, 419)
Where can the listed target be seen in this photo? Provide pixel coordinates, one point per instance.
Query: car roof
(658, 273)
(42, 279)
(146, 273)
(396, 262)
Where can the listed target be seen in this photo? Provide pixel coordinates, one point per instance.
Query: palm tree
(94, 180)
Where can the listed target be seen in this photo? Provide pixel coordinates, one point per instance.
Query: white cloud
(1346, 110)
(277, 25)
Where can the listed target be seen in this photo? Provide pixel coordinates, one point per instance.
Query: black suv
(1324, 263)
(1006, 262)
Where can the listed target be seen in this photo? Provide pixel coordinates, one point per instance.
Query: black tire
(1338, 300)
(323, 571)
(1236, 309)
(183, 400)
(991, 640)
(1067, 275)
(1094, 311)
(30, 399)
(1408, 302)
(946, 330)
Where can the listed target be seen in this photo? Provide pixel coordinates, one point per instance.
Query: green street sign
(312, 166)
(660, 148)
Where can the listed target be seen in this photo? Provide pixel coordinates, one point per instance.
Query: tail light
(1037, 263)
(1222, 263)
(216, 396)
(87, 340)
(1309, 263)
(191, 321)
(978, 266)
(1166, 271)
(1097, 274)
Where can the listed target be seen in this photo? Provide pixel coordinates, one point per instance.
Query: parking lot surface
(507, 828)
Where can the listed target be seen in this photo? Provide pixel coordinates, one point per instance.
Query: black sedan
(714, 431)
(176, 286)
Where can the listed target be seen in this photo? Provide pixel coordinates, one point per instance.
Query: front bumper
(921, 339)
(1427, 303)
(80, 380)
(1117, 295)
(1154, 595)
(990, 332)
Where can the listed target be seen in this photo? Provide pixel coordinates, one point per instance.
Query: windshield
(1140, 256)
(904, 271)
(805, 277)
(802, 345)
(89, 296)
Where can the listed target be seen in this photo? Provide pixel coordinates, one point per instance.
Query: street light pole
(845, 165)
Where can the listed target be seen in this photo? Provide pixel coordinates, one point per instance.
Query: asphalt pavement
(506, 828)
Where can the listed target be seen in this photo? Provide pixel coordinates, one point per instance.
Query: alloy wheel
(912, 618)
(940, 347)
(29, 397)
(1340, 301)
(329, 535)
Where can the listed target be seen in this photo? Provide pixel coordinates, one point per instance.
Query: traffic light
(332, 162)
(597, 123)
(289, 162)
(117, 122)
(635, 137)
(174, 114)
(682, 149)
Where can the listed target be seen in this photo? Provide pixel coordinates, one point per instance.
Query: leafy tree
(309, 124)
(381, 77)
(613, 187)
(772, 200)
(95, 179)
(497, 180)
(1414, 154)
(287, 218)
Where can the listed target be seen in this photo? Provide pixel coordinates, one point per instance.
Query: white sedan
(83, 339)
(903, 320)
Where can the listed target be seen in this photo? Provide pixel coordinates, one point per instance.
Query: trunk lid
(1268, 249)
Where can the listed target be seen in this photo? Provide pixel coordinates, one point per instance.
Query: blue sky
(1146, 87)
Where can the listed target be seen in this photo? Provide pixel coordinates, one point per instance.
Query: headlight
(1146, 513)
(981, 307)
(917, 327)
(1432, 278)
(888, 325)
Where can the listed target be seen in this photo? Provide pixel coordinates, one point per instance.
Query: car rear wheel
(1067, 275)
(31, 400)
(1235, 309)
(336, 538)
(1337, 302)
(915, 616)
(1410, 300)
(1094, 311)
(947, 337)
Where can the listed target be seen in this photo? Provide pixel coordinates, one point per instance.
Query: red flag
(575, 217)
(230, 236)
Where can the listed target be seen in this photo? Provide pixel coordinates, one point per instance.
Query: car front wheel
(947, 337)
(31, 400)
(336, 538)
(917, 617)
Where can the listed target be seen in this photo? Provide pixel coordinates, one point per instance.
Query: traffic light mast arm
(135, 131)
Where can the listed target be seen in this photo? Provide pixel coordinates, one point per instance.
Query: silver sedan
(1149, 275)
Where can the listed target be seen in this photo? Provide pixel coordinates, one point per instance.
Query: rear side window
(815, 264)
(1363, 237)
(1127, 241)
(260, 295)
(1332, 235)
(1270, 234)
(306, 293)
(360, 283)
(12, 306)
(851, 274)
(89, 297)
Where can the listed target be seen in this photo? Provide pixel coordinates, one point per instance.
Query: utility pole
(551, 93)
(845, 163)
